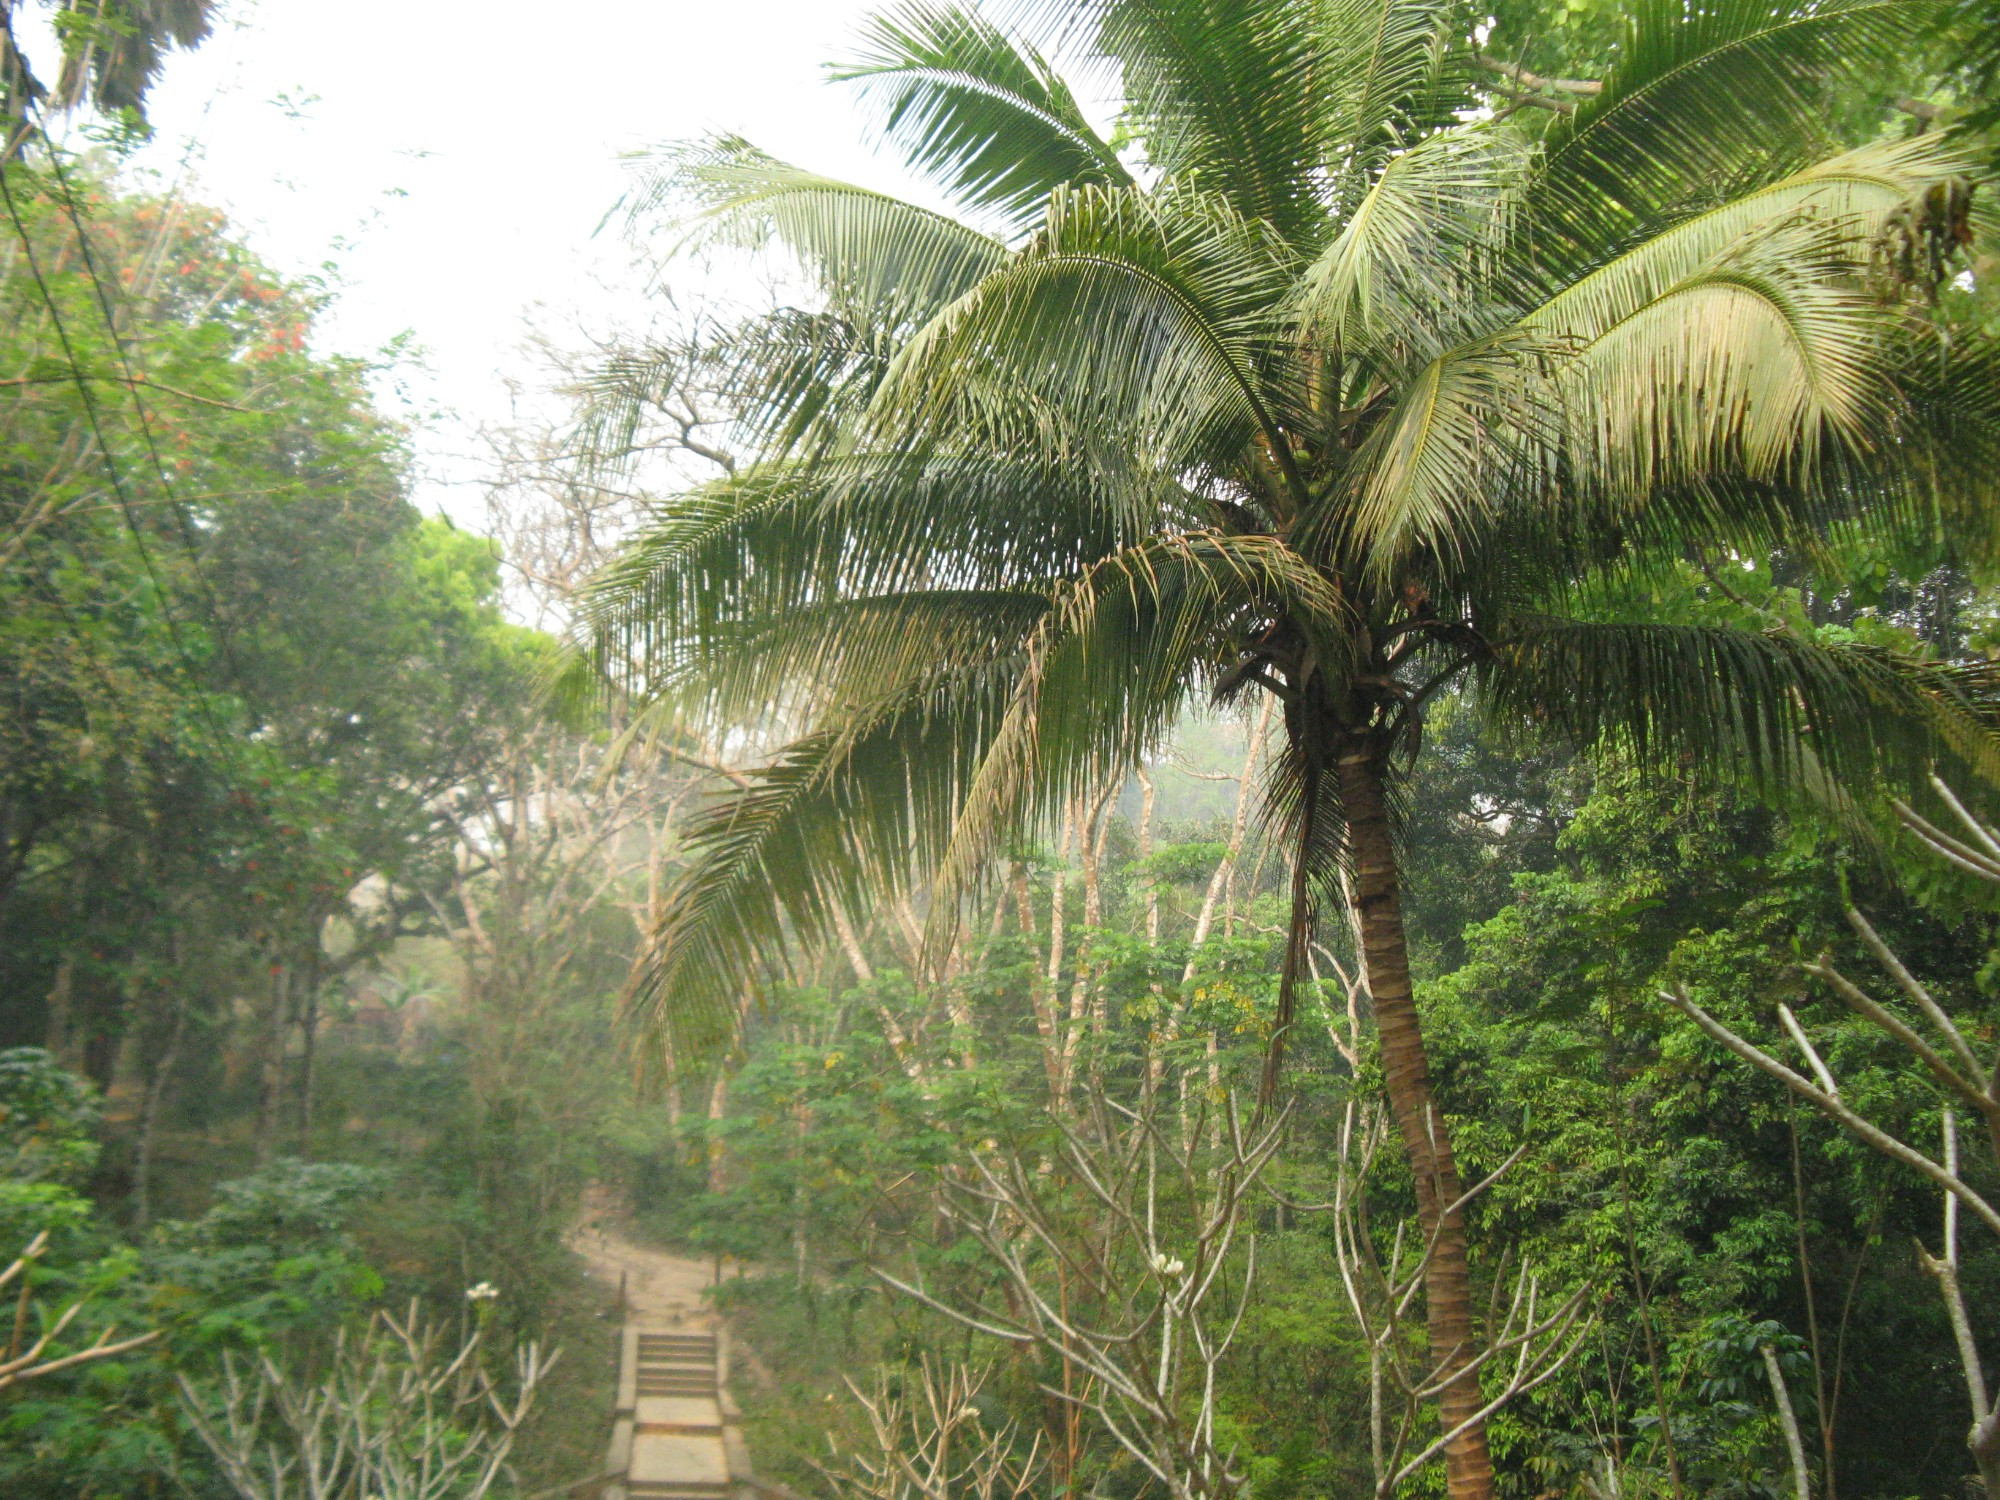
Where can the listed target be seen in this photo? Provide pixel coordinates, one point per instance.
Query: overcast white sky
(454, 159)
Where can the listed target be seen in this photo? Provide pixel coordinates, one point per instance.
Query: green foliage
(1658, 1171)
(253, 702)
(48, 1119)
(271, 1265)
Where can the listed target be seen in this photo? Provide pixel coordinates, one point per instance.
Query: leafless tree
(606, 426)
(1120, 1257)
(1529, 1336)
(397, 1415)
(931, 1443)
(1947, 1056)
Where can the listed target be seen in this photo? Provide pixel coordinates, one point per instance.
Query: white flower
(486, 1291)
(1166, 1265)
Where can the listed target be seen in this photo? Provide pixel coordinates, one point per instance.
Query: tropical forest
(1000, 750)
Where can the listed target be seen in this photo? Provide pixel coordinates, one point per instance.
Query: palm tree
(1332, 383)
(112, 53)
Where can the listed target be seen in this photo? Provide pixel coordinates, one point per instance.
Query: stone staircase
(676, 1435)
(677, 1364)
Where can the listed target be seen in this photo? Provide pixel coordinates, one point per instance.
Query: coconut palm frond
(1745, 366)
(983, 114)
(1714, 99)
(776, 542)
(1412, 256)
(1773, 707)
(1139, 315)
(846, 814)
(1391, 80)
(873, 257)
(1854, 195)
(1107, 672)
(1231, 99)
(1473, 429)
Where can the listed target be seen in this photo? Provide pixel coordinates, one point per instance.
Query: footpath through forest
(676, 1434)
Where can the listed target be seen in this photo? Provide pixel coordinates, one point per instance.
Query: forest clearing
(1258, 758)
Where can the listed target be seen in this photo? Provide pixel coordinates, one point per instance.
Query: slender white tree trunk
(1788, 1419)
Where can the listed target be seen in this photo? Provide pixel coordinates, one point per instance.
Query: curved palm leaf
(848, 811)
(1854, 194)
(1140, 315)
(985, 116)
(1107, 671)
(1230, 98)
(777, 540)
(1477, 425)
(1743, 367)
(1413, 255)
(1772, 706)
(1391, 80)
(875, 258)
(1708, 99)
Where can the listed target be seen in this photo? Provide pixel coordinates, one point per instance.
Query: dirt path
(661, 1290)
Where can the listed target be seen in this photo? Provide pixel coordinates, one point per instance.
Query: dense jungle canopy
(1292, 792)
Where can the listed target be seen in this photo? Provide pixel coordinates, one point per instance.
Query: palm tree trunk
(1378, 906)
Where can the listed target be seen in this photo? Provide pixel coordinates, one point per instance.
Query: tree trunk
(150, 1109)
(1038, 1000)
(271, 1095)
(1788, 1418)
(62, 994)
(308, 1052)
(718, 1110)
(1378, 907)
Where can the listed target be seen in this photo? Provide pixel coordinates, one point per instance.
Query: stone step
(705, 1341)
(676, 1489)
(691, 1463)
(687, 1414)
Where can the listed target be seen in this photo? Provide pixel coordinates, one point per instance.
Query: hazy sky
(454, 159)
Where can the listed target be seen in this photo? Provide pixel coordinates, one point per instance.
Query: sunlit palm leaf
(1744, 366)
(1474, 427)
(872, 256)
(1143, 316)
(1704, 100)
(984, 115)
(1412, 257)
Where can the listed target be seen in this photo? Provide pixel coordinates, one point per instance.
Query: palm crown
(1333, 385)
